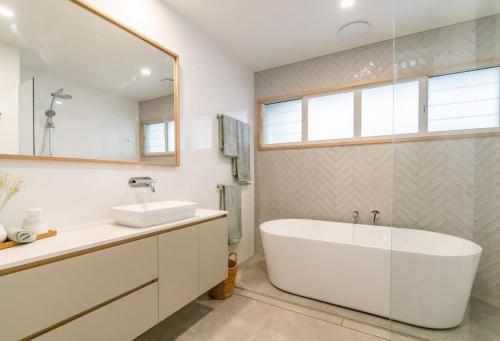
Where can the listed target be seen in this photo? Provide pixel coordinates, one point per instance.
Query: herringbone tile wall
(326, 71)
(450, 186)
(487, 217)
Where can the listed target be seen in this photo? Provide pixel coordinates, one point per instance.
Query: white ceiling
(63, 40)
(270, 33)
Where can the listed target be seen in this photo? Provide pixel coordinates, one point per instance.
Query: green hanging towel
(231, 202)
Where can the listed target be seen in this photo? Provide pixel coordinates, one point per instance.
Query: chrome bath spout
(355, 216)
(375, 216)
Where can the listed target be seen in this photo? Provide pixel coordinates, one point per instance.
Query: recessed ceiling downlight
(346, 3)
(354, 29)
(6, 12)
(145, 72)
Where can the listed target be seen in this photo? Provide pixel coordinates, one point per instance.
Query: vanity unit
(102, 281)
(109, 282)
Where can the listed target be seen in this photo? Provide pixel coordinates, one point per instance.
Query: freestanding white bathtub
(413, 276)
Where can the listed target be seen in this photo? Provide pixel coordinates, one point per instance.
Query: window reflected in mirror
(158, 138)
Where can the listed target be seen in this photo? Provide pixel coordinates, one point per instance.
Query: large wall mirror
(76, 85)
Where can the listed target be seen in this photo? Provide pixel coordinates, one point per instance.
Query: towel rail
(222, 147)
(220, 188)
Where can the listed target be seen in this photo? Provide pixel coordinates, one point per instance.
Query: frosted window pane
(390, 109)
(331, 117)
(171, 136)
(154, 138)
(466, 100)
(283, 122)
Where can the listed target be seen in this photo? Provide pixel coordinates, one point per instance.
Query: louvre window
(465, 100)
(331, 117)
(390, 109)
(159, 137)
(283, 122)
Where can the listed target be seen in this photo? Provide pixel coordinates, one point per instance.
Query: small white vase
(3, 234)
(35, 221)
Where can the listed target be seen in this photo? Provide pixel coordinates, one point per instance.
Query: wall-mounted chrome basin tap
(355, 216)
(375, 216)
(143, 181)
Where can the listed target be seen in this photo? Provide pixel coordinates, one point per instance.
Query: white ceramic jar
(34, 221)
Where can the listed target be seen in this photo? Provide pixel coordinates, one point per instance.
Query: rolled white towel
(20, 235)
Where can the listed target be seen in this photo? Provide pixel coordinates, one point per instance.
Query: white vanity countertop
(73, 239)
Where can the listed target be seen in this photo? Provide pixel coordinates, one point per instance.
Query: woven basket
(225, 288)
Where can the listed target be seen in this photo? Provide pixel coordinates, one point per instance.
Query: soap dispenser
(34, 221)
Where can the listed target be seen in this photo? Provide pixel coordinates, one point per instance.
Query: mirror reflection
(77, 86)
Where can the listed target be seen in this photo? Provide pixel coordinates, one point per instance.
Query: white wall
(93, 124)
(26, 116)
(9, 102)
(211, 81)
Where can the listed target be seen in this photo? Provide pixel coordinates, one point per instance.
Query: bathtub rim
(476, 248)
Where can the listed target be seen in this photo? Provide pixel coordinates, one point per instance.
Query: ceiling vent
(354, 29)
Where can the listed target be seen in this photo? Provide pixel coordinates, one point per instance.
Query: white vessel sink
(153, 213)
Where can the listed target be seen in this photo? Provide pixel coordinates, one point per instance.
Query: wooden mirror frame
(82, 4)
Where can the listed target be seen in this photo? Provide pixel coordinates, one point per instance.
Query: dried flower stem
(9, 186)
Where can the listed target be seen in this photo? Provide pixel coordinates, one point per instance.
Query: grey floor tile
(174, 326)
(482, 320)
(259, 311)
(317, 314)
(241, 318)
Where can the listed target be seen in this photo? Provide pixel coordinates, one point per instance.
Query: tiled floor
(259, 311)
(482, 322)
(242, 318)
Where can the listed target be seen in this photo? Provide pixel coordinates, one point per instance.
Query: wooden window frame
(422, 135)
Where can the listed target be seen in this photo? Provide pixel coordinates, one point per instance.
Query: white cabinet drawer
(178, 269)
(35, 299)
(124, 319)
(213, 252)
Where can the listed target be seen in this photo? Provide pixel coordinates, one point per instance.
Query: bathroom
(345, 155)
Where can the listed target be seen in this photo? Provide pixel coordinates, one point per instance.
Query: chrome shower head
(60, 94)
